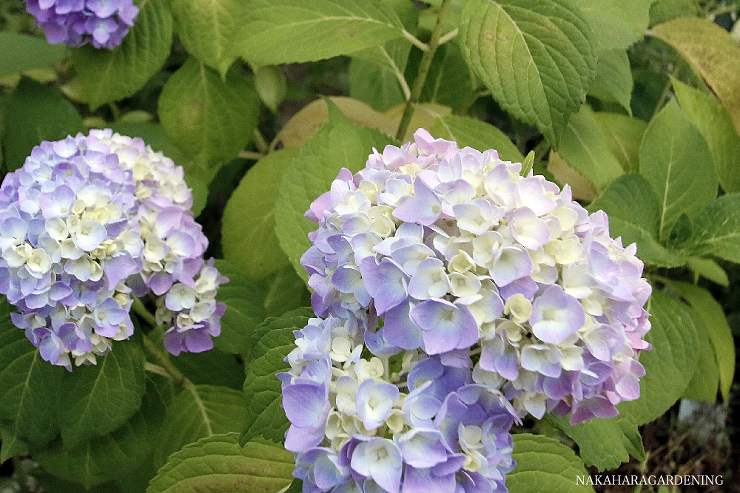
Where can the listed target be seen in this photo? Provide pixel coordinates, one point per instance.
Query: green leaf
(715, 125)
(21, 52)
(634, 212)
(623, 136)
(248, 230)
(710, 320)
(110, 75)
(584, 147)
(708, 268)
(617, 24)
(671, 362)
(286, 291)
(98, 399)
(208, 118)
(476, 134)
(209, 30)
(717, 229)
(449, 81)
(544, 465)
(33, 113)
(604, 443)
(199, 411)
(245, 310)
(713, 54)
(111, 456)
(338, 144)
(265, 416)
(288, 31)
(551, 38)
(218, 464)
(613, 82)
(28, 391)
(375, 74)
(675, 159)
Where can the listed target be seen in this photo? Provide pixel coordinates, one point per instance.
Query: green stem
(164, 363)
(424, 66)
(142, 312)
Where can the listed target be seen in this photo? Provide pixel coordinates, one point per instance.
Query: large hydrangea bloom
(87, 223)
(452, 253)
(363, 423)
(103, 23)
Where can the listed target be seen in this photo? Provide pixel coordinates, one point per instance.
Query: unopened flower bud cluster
(102, 23)
(87, 223)
(453, 256)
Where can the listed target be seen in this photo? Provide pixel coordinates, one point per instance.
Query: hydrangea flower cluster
(87, 223)
(104, 23)
(364, 423)
(483, 283)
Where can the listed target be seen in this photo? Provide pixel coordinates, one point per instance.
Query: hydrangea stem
(142, 312)
(164, 363)
(424, 66)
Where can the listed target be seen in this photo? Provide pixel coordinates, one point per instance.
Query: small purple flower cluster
(89, 222)
(104, 23)
(482, 281)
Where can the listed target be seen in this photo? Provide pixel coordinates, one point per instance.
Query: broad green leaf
(665, 10)
(21, 52)
(97, 399)
(544, 465)
(208, 118)
(604, 443)
(537, 57)
(715, 125)
(675, 159)
(613, 82)
(218, 464)
(248, 227)
(617, 24)
(375, 74)
(34, 113)
(155, 137)
(286, 291)
(708, 268)
(671, 362)
(288, 31)
(623, 136)
(28, 391)
(113, 455)
(449, 81)
(705, 381)
(338, 144)
(634, 212)
(584, 147)
(713, 54)
(710, 320)
(476, 134)
(197, 412)
(211, 367)
(112, 75)
(717, 229)
(245, 310)
(265, 416)
(209, 29)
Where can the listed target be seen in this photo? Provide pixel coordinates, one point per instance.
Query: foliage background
(635, 103)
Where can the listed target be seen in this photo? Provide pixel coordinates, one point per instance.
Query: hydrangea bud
(453, 253)
(102, 23)
(87, 223)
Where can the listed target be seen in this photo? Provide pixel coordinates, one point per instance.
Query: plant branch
(424, 66)
(142, 312)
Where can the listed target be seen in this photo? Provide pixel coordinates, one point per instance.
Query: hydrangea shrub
(88, 223)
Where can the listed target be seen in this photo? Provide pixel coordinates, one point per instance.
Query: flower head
(452, 253)
(102, 23)
(89, 222)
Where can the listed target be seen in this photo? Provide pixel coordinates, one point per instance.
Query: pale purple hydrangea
(89, 222)
(102, 23)
(452, 253)
(406, 423)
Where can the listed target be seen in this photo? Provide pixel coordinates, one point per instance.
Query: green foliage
(22, 52)
(220, 464)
